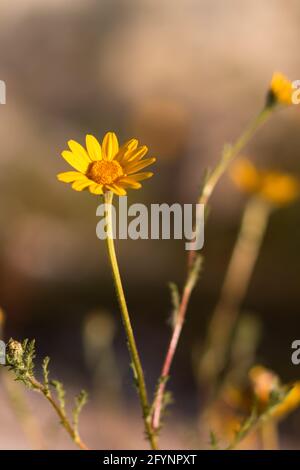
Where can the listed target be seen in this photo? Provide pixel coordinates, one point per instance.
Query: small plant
(20, 360)
(108, 170)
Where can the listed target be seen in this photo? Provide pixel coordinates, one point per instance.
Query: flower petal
(93, 148)
(75, 161)
(141, 176)
(127, 147)
(127, 182)
(116, 189)
(96, 188)
(80, 185)
(79, 150)
(110, 146)
(70, 176)
(135, 154)
(132, 167)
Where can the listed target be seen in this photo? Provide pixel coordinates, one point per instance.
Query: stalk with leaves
(279, 93)
(20, 360)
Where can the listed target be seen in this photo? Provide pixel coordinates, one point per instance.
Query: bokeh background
(184, 77)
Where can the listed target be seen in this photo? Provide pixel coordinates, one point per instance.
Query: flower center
(104, 172)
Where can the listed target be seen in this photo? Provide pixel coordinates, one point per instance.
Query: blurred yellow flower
(264, 382)
(281, 89)
(290, 403)
(274, 187)
(279, 188)
(245, 176)
(106, 167)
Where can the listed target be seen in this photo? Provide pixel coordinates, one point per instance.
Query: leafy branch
(179, 305)
(258, 418)
(20, 360)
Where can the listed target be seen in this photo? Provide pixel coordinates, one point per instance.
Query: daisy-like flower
(275, 187)
(106, 167)
(280, 90)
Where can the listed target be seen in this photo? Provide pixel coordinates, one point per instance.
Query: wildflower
(106, 167)
(15, 349)
(263, 382)
(280, 90)
(274, 187)
(291, 401)
(245, 176)
(279, 188)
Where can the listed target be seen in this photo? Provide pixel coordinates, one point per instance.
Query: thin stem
(230, 152)
(236, 282)
(158, 402)
(136, 363)
(37, 386)
(253, 423)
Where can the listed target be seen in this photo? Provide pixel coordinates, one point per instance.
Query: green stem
(234, 289)
(37, 386)
(137, 367)
(229, 153)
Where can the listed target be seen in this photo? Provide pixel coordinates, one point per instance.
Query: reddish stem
(158, 402)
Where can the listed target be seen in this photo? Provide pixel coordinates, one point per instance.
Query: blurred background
(184, 77)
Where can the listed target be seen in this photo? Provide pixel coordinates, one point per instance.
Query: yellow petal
(141, 176)
(132, 167)
(116, 189)
(70, 176)
(127, 182)
(96, 188)
(135, 154)
(130, 144)
(93, 148)
(110, 146)
(75, 161)
(81, 184)
(126, 148)
(79, 150)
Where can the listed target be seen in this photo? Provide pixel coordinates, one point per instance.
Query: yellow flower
(279, 188)
(245, 176)
(291, 402)
(274, 187)
(264, 382)
(106, 167)
(280, 89)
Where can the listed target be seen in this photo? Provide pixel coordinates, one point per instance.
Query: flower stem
(39, 387)
(136, 363)
(158, 401)
(229, 153)
(236, 282)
